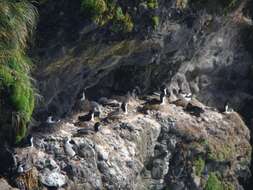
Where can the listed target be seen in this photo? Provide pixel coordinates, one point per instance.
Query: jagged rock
(53, 179)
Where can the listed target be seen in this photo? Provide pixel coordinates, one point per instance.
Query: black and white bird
(119, 113)
(30, 140)
(87, 117)
(82, 99)
(185, 96)
(20, 168)
(68, 147)
(96, 108)
(163, 97)
(227, 108)
(50, 120)
(97, 126)
(136, 92)
(124, 107)
(194, 109)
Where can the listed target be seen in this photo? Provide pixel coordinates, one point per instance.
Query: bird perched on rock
(50, 120)
(97, 126)
(68, 147)
(154, 104)
(96, 108)
(194, 110)
(81, 101)
(26, 142)
(109, 102)
(184, 95)
(227, 109)
(136, 92)
(87, 117)
(119, 113)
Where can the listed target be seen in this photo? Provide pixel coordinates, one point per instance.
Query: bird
(119, 113)
(194, 109)
(136, 92)
(109, 102)
(68, 147)
(30, 140)
(97, 127)
(185, 96)
(82, 99)
(96, 108)
(20, 168)
(154, 104)
(163, 89)
(84, 131)
(87, 117)
(227, 109)
(51, 121)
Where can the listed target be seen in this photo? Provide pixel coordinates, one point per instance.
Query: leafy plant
(213, 183)
(17, 22)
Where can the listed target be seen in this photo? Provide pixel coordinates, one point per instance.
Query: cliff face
(196, 48)
(165, 149)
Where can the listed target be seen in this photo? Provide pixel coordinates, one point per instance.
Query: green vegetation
(17, 22)
(94, 7)
(213, 183)
(199, 165)
(155, 21)
(228, 186)
(108, 12)
(152, 4)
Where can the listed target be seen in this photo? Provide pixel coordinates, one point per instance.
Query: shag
(30, 140)
(20, 167)
(124, 107)
(82, 99)
(96, 108)
(194, 110)
(119, 113)
(87, 117)
(227, 109)
(97, 126)
(109, 102)
(136, 92)
(185, 96)
(51, 121)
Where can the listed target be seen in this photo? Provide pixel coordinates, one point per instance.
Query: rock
(5, 186)
(102, 154)
(53, 179)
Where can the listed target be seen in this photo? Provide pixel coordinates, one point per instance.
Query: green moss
(94, 7)
(105, 12)
(152, 4)
(17, 21)
(155, 21)
(213, 183)
(199, 165)
(228, 186)
(221, 152)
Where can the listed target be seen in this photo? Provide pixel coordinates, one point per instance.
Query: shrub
(155, 21)
(213, 183)
(94, 7)
(152, 4)
(199, 166)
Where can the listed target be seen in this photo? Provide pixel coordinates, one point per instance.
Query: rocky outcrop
(167, 148)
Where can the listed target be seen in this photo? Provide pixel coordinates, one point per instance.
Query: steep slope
(166, 149)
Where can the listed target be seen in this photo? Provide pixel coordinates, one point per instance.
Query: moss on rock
(213, 182)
